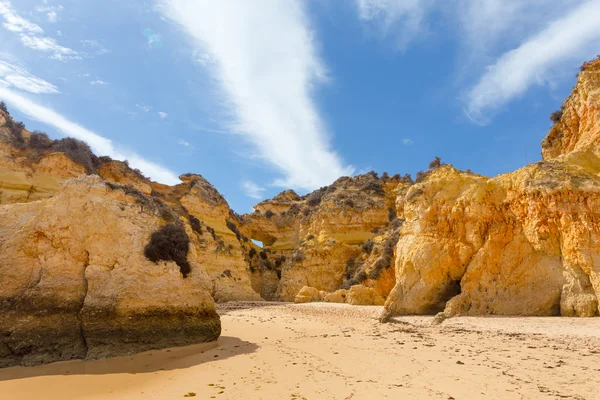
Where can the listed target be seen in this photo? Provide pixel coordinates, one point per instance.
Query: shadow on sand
(146, 362)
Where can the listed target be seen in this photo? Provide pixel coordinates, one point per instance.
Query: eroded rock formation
(338, 236)
(78, 280)
(524, 243)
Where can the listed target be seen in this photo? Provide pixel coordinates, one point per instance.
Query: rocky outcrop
(29, 176)
(520, 244)
(357, 295)
(76, 283)
(32, 167)
(78, 278)
(73, 233)
(339, 296)
(575, 137)
(335, 237)
(308, 295)
(119, 172)
(360, 295)
(524, 243)
(221, 248)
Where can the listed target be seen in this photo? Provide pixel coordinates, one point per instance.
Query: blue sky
(259, 96)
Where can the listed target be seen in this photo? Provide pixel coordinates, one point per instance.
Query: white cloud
(49, 45)
(144, 107)
(405, 18)
(50, 11)
(95, 46)
(31, 34)
(183, 143)
(100, 145)
(565, 41)
(203, 60)
(98, 82)
(20, 78)
(162, 114)
(154, 39)
(544, 37)
(407, 142)
(14, 22)
(252, 190)
(269, 83)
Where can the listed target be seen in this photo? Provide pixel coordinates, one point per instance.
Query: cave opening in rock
(451, 289)
(258, 243)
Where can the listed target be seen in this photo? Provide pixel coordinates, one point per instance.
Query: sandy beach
(337, 351)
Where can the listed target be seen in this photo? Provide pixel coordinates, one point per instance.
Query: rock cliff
(524, 243)
(97, 260)
(575, 136)
(76, 283)
(338, 236)
(74, 236)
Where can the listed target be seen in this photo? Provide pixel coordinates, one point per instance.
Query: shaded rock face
(332, 238)
(220, 247)
(76, 283)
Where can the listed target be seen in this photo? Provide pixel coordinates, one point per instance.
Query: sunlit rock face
(335, 237)
(524, 243)
(520, 244)
(76, 282)
(575, 137)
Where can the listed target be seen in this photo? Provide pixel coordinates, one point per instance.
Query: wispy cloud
(100, 145)
(545, 38)
(153, 39)
(252, 190)
(144, 107)
(183, 143)
(14, 22)
(407, 142)
(269, 83)
(98, 82)
(203, 60)
(49, 45)
(565, 41)
(405, 18)
(95, 46)
(50, 11)
(32, 35)
(162, 114)
(18, 77)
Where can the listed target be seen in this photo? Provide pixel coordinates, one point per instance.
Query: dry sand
(336, 351)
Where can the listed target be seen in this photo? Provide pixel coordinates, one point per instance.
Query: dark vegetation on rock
(556, 116)
(170, 243)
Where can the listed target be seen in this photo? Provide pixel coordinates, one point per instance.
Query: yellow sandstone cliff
(335, 237)
(78, 278)
(524, 243)
(74, 230)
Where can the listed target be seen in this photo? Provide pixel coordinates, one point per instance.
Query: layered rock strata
(76, 283)
(524, 243)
